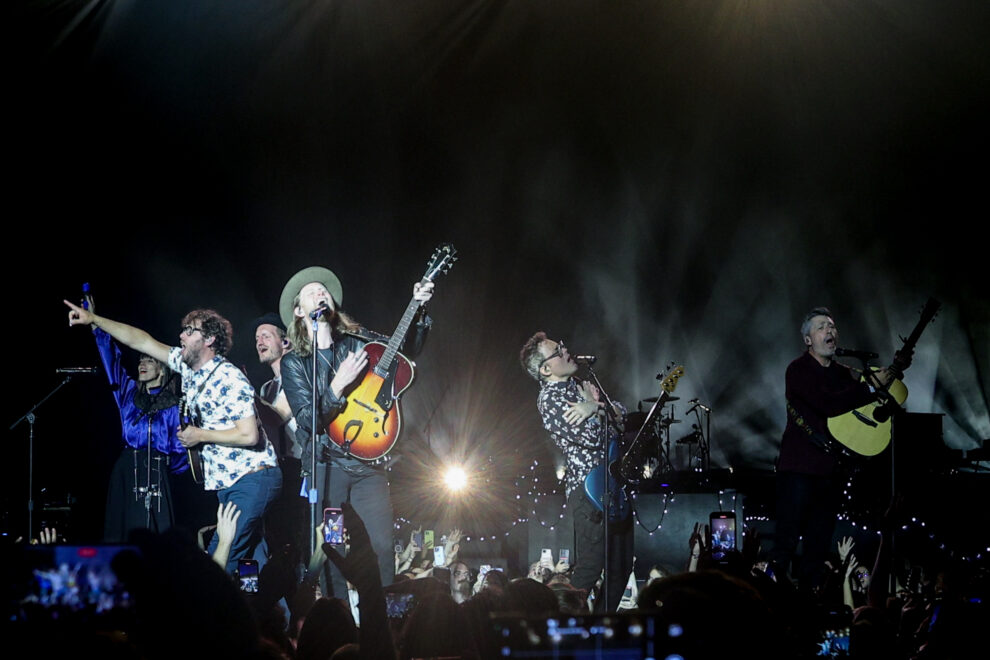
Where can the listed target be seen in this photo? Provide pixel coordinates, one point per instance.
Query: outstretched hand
(48, 536)
(227, 516)
(360, 566)
(78, 315)
(451, 546)
(852, 566)
(844, 546)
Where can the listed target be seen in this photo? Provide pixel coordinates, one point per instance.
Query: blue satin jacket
(133, 423)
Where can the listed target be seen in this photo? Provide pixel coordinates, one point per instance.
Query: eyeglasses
(558, 352)
(189, 329)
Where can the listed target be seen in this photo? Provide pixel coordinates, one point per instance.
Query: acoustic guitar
(369, 425)
(194, 453)
(865, 431)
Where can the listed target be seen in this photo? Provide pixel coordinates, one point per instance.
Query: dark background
(652, 182)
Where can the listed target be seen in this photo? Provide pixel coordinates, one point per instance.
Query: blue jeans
(252, 494)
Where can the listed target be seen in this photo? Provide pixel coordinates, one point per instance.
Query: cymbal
(653, 399)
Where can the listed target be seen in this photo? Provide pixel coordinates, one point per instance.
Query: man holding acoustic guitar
(238, 463)
(356, 414)
(810, 470)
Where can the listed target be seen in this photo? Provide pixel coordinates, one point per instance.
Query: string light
(535, 493)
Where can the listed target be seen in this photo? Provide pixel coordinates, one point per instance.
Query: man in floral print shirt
(239, 463)
(570, 411)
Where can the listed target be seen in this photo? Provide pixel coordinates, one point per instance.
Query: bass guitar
(369, 425)
(865, 431)
(594, 486)
(594, 483)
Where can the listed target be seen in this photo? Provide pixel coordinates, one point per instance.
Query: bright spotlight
(455, 479)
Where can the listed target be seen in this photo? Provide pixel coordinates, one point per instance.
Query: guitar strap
(818, 439)
(194, 402)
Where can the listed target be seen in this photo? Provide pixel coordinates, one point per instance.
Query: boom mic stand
(30, 417)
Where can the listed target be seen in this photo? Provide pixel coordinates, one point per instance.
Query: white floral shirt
(218, 395)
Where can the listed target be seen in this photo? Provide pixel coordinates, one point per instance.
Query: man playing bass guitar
(570, 410)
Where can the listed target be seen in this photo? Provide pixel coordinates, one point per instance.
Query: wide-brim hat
(319, 274)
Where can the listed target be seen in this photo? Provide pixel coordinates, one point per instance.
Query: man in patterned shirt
(238, 462)
(572, 414)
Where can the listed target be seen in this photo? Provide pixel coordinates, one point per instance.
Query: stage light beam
(455, 479)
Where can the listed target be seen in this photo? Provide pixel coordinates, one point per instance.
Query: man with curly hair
(238, 462)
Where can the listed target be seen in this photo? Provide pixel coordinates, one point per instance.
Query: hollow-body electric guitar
(369, 425)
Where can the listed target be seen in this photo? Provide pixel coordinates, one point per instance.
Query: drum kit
(654, 451)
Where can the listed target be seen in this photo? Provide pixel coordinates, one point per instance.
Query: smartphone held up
(333, 526)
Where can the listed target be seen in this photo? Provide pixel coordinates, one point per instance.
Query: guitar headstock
(669, 383)
(441, 261)
(928, 315)
(930, 310)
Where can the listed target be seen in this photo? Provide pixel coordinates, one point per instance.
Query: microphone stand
(312, 494)
(888, 408)
(30, 417)
(606, 490)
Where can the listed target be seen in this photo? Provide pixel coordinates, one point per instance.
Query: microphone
(848, 352)
(315, 314)
(76, 370)
(585, 359)
(695, 403)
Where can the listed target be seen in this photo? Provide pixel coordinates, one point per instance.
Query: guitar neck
(931, 308)
(399, 336)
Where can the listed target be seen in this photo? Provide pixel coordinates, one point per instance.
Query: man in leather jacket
(340, 363)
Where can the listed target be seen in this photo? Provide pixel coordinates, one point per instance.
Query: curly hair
(213, 325)
(530, 356)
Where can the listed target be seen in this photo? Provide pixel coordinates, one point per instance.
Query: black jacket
(297, 381)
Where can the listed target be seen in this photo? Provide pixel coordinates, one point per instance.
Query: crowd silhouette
(170, 599)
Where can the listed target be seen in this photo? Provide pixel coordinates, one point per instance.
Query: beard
(269, 356)
(190, 356)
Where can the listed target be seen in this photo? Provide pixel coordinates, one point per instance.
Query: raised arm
(127, 335)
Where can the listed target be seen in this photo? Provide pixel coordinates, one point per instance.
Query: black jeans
(366, 488)
(589, 550)
(806, 508)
